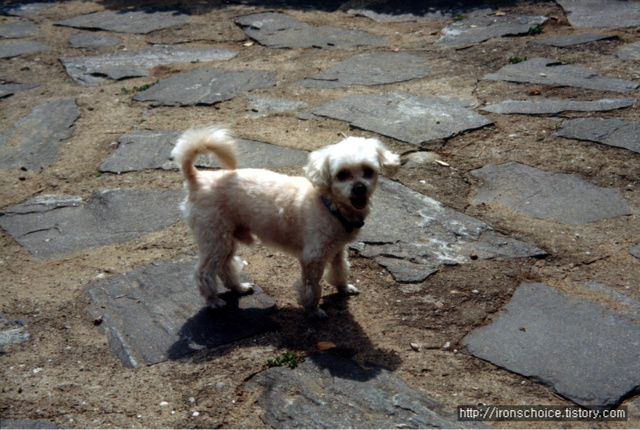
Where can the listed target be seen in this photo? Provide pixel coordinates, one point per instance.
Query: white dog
(313, 219)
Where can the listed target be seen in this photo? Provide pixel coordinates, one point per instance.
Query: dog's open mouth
(359, 202)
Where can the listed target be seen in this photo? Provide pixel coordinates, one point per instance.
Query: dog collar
(348, 225)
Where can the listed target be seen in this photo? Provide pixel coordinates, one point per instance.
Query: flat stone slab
(328, 391)
(18, 29)
(630, 51)
(552, 72)
(574, 39)
(479, 29)
(151, 149)
(276, 30)
(413, 235)
(602, 13)
(92, 70)
(370, 69)
(608, 131)
(25, 9)
(135, 21)
(28, 424)
(581, 349)
(34, 140)
(418, 11)
(635, 251)
(93, 40)
(552, 107)
(205, 86)
(261, 105)
(52, 226)
(403, 116)
(7, 90)
(549, 196)
(15, 49)
(155, 313)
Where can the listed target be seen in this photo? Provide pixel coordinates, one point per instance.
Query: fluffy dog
(312, 218)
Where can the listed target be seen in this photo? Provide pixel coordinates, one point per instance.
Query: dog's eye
(367, 172)
(343, 175)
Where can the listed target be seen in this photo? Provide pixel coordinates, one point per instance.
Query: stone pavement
(149, 316)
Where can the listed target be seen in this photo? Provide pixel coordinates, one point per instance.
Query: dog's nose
(359, 189)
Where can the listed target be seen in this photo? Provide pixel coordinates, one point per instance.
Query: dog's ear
(389, 162)
(317, 169)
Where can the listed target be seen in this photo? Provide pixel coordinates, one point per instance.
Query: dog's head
(347, 172)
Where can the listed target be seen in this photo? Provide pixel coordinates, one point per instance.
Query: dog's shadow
(210, 328)
(290, 329)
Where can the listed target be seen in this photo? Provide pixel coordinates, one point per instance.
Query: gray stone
(18, 29)
(551, 107)
(34, 140)
(205, 86)
(57, 225)
(135, 21)
(93, 40)
(549, 196)
(635, 251)
(403, 116)
(7, 90)
(91, 70)
(574, 39)
(151, 149)
(630, 51)
(430, 235)
(602, 13)
(328, 391)
(479, 29)
(551, 72)
(420, 11)
(11, 332)
(267, 105)
(25, 9)
(277, 30)
(370, 69)
(13, 335)
(582, 350)
(608, 131)
(155, 313)
(28, 424)
(15, 49)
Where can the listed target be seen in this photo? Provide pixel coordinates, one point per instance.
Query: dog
(312, 218)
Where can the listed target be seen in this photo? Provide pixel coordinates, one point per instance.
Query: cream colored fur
(232, 205)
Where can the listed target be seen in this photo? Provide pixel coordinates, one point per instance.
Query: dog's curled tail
(201, 141)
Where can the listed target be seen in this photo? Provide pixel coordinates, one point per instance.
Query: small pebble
(164, 403)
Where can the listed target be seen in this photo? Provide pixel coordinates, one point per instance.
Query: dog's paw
(348, 290)
(244, 288)
(216, 303)
(317, 314)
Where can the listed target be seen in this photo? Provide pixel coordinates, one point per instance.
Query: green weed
(290, 359)
(536, 29)
(124, 91)
(516, 60)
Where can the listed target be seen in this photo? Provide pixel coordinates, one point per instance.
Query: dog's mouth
(359, 202)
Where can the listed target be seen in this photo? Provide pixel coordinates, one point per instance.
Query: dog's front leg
(309, 288)
(338, 273)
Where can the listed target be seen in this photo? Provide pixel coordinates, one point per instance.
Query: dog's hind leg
(205, 277)
(338, 273)
(229, 273)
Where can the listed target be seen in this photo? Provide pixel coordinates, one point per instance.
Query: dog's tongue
(359, 202)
